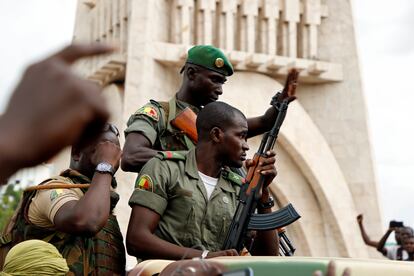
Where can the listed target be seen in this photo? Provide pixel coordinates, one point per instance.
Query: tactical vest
(102, 254)
(170, 138)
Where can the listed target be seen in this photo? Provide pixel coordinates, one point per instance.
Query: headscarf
(34, 257)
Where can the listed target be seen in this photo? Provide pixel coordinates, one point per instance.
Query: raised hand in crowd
(331, 271)
(50, 109)
(365, 237)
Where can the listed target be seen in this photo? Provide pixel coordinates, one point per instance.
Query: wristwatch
(267, 205)
(105, 167)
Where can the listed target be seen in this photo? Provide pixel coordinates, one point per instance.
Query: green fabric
(34, 257)
(190, 219)
(178, 155)
(162, 135)
(102, 254)
(267, 268)
(210, 58)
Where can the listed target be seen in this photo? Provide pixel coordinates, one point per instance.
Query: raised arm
(383, 240)
(367, 240)
(90, 213)
(261, 124)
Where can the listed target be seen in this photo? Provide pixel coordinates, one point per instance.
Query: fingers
(249, 163)
(76, 51)
(232, 252)
(267, 165)
(347, 272)
(331, 269)
(317, 273)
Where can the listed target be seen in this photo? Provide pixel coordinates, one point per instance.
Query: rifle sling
(276, 219)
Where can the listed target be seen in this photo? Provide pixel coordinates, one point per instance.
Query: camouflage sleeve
(151, 186)
(146, 121)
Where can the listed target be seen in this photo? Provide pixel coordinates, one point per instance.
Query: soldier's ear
(190, 72)
(75, 154)
(216, 135)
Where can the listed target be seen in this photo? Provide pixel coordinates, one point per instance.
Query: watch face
(104, 168)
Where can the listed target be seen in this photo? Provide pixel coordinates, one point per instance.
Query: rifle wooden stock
(186, 122)
(254, 177)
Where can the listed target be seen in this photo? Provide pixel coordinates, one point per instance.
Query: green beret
(210, 58)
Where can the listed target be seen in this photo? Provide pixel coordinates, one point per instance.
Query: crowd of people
(402, 250)
(185, 193)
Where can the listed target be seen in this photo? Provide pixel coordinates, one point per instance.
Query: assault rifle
(245, 218)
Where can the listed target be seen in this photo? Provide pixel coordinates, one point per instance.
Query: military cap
(210, 58)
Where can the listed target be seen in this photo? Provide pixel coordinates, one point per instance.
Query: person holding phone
(393, 252)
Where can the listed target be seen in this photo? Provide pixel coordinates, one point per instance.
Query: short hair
(215, 114)
(409, 229)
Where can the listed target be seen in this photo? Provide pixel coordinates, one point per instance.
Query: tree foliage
(9, 199)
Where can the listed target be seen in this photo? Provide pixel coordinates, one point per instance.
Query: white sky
(32, 29)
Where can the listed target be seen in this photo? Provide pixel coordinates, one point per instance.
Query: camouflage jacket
(102, 254)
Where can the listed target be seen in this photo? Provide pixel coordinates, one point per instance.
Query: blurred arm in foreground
(50, 108)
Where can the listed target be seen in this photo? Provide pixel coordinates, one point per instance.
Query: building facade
(324, 158)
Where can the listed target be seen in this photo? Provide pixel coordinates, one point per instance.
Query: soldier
(150, 130)
(185, 202)
(73, 211)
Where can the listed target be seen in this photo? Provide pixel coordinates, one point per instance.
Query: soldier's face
(208, 85)
(235, 142)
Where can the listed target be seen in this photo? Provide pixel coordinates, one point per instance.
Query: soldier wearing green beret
(183, 203)
(149, 128)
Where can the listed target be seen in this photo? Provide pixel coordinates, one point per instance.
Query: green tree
(9, 199)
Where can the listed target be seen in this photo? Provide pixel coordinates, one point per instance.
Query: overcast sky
(32, 29)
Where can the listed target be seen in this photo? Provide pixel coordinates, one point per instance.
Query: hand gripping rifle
(245, 218)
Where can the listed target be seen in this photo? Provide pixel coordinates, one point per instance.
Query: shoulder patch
(144, 182)
(171, 155)
(233, 177)
(55, 194)
(149, 111)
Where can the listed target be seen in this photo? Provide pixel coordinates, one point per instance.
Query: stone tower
(324, 153)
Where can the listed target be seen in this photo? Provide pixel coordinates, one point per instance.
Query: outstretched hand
(289, 90)
(331, 271)
(51, 108)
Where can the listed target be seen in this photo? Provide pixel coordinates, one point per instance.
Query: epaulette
(233, 177)
(172, 155)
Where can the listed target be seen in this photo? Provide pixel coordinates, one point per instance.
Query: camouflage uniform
(102, 254)
(171, 180)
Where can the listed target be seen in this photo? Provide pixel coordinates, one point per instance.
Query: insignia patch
(219, 62)
(149, 111)
(145, 183)
(55, 194)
